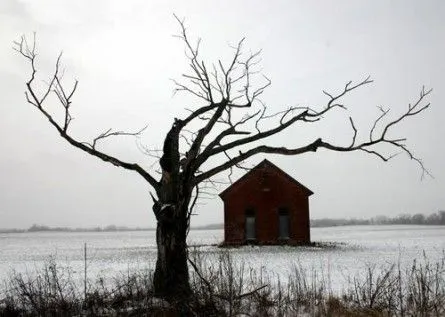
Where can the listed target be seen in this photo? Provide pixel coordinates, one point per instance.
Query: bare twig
(65, 98)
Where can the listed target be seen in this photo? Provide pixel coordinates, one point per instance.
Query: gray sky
(124, 56)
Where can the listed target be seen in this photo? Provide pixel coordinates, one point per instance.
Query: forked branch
(231, 82)
(64, 96)
(111, 133)
(371, 146)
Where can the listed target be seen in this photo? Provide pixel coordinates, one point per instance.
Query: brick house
(266, 206)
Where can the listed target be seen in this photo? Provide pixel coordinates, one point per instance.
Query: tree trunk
(171, 277)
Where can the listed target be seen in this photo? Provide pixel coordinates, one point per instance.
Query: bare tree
(231, 129)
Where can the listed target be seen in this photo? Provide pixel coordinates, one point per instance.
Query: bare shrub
(51, 290)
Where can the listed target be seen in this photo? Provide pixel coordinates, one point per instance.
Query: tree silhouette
(230, 119)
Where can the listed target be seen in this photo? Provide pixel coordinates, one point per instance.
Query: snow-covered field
(111, 252)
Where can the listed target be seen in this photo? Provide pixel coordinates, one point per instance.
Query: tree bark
(171, 277)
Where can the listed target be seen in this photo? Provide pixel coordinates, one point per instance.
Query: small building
(266, 206)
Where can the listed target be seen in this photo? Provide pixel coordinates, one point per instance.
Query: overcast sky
(124, 55)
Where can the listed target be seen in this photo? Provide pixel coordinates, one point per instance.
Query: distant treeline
(42, 228)
(110, 228)
(437, 218)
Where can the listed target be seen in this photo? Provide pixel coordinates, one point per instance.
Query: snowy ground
(113, 252)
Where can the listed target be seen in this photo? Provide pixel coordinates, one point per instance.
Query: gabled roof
(263, 164)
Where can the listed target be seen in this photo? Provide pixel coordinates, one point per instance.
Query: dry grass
(223, 287)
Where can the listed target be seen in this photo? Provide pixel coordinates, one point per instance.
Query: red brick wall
(266, 194)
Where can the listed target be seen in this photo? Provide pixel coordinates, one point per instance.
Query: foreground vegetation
(226, 288)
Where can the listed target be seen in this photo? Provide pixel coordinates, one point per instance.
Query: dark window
(283, 223)
(250, 224)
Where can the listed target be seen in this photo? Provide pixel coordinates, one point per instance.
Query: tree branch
(55, 86)
(368, 146)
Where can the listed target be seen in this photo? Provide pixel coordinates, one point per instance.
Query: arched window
(283, 223)
(250, 224)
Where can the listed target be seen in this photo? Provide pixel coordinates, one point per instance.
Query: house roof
(265, 163)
